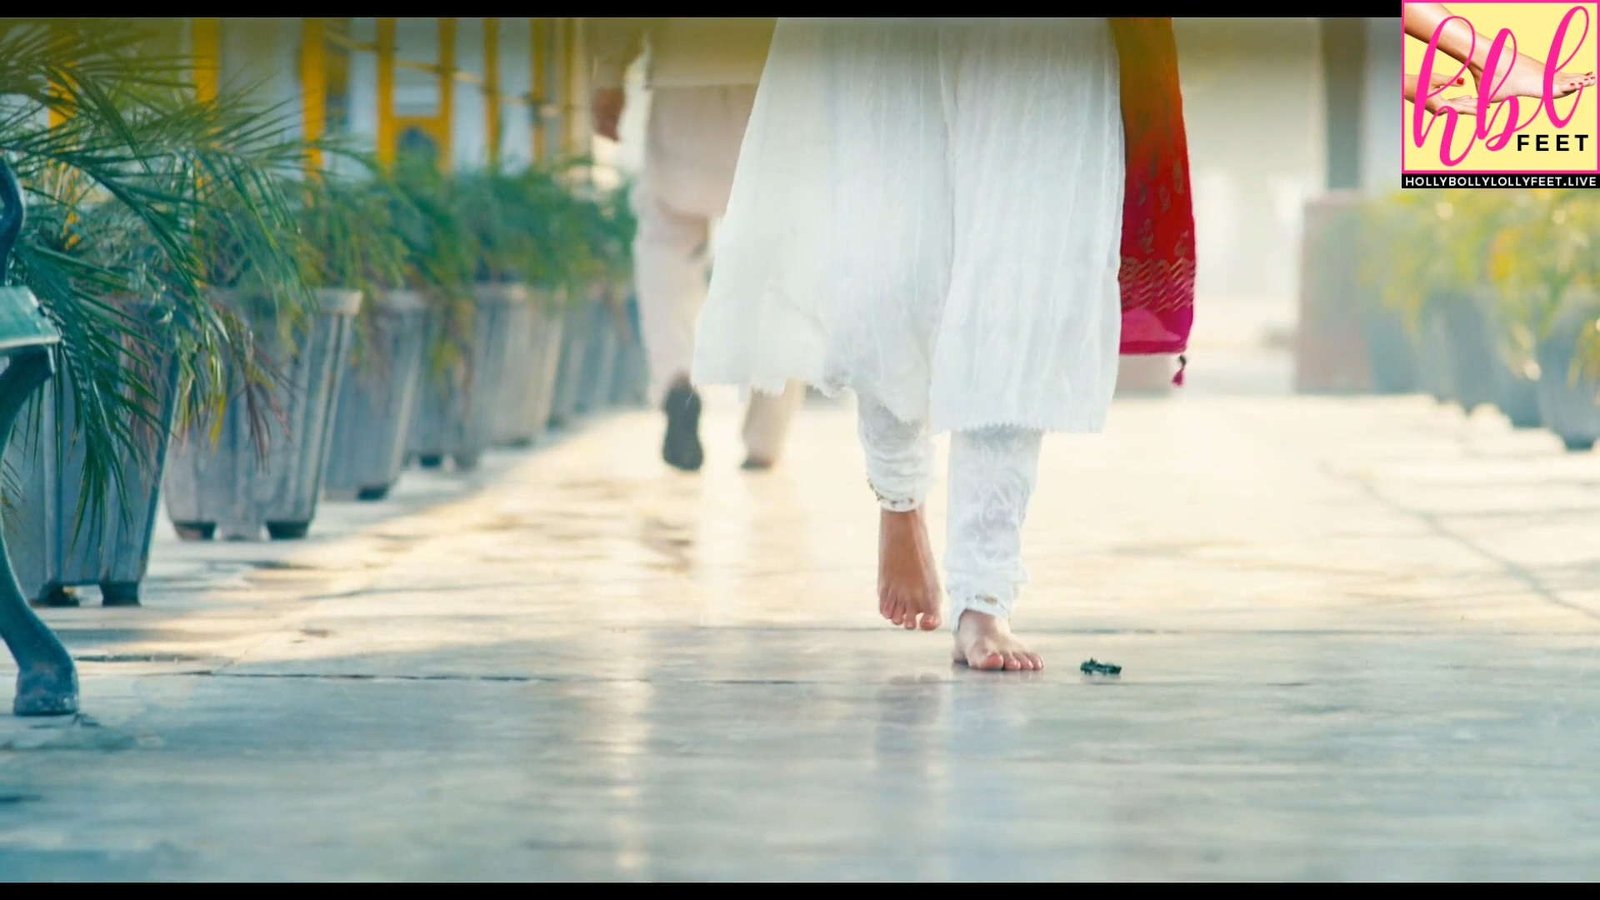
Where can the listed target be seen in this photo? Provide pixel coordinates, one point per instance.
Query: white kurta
(928, 212)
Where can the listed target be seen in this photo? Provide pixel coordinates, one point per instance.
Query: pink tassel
(1183, 363)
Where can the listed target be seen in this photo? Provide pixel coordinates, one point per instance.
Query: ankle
(973, 621)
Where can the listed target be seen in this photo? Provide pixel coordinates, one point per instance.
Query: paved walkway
(1359, 638)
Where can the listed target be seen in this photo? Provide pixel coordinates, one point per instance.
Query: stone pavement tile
(1358, 636)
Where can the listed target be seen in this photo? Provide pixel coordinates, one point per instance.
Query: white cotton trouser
(691, 149)
(992, 475)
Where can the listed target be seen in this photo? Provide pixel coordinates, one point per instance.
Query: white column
(516, 138)
(470, 144)
(1380, 124)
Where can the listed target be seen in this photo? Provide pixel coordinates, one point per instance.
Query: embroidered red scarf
(1157, 275)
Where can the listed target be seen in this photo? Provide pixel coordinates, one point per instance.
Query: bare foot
(1466, 106)
(1525, 78)
(985, 642)
(908, 581)
(1436, 81)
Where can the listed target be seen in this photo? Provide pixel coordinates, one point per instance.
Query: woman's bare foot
(1466, 105)
(908, 580)
(1526, 79)
(985, 642)
(1437, 81)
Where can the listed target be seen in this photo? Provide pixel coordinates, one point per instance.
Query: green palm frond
(141, 192)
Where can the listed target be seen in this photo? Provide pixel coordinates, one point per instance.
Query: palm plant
(425, 213)
(1539, 259)
(138, 190)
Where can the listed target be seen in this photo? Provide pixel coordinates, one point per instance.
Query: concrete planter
(1435, 369)
(1391, 359)
(51, 549)
(600, 358)
(458, 410)
(577, 322)
(377, 398)
(1569, 401)
(1472, 346)
(229, 488)
(530, 372)
(631, 388)
(1518, 399)
(550, 338)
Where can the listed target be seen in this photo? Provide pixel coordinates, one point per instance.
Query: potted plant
(607, 227)
(468, 250)
(62, 538)
(349, 238)
(1387, 290)
(1547, 274)
(118, 187)
(257, 461)
(603, 231)
(537, 208)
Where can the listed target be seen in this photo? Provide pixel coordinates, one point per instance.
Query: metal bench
(47, 681)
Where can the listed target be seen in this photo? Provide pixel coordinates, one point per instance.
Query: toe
(1012, 662)
(1037, 660)
(930, 621)
(910, 622)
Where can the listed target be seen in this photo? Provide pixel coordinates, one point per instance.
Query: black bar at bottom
(1500, 181)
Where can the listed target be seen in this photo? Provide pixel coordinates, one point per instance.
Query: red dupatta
(1158, 264)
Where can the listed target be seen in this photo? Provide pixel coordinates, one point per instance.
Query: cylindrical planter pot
(1435, 368)
(1569, 400)
(577, 321)
(458, 410)
(1472, 346)
(516, 379)
(377, 398)
(1517, 390)
(51, 549)
(1390, 356)
(599, 364)
(227, 488)
(530, 372)
(549, 338)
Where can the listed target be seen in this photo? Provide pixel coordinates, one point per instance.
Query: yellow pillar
(447, 85)
(205, 36)
(386, 131)
(569, 86)
(491, 89)
(313, 87)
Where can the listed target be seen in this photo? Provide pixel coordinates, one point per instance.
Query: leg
(992, 473)
(671, 266)
(899, 470)
(766, 423)
(1520, 75)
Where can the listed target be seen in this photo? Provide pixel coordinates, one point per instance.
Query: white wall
(1253, 106)
(1380, 126)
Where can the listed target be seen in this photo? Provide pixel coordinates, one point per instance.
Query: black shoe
(681, 448)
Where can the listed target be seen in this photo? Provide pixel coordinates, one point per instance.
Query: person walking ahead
(702, 76)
